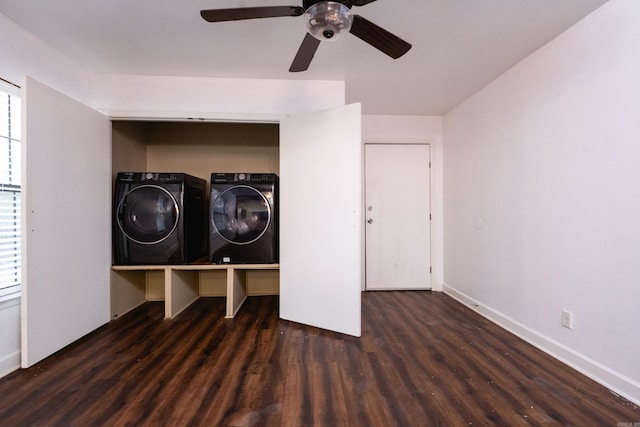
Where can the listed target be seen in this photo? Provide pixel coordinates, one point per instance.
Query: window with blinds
(10, 128)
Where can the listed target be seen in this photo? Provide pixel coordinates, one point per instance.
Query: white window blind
(10, 227)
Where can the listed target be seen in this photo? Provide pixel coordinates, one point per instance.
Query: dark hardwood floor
(422, 360)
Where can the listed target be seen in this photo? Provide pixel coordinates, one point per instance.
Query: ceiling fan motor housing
(326, 20)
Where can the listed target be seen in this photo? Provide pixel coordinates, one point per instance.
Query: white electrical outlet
(567, 319)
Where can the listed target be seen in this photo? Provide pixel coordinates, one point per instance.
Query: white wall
(542, 197)
(414, 130)
(24, 54)
(9, 335)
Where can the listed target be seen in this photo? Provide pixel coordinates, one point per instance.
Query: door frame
(436, 201)
(365, 228)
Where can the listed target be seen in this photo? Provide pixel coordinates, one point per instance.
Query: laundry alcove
(197, 148)
(320, 189)
(72, 151)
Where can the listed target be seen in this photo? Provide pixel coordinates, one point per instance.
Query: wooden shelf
(130, 285)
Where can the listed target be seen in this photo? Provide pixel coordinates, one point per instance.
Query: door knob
(370, 220)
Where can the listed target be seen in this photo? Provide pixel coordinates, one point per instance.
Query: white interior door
(66, 221)
(321, 219)
(398, 236)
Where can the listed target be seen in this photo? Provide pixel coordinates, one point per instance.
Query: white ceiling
(458, 45)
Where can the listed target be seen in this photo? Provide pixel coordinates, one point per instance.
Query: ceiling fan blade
(361, 2)
(236, 14)
(305, 54)
(378, 37)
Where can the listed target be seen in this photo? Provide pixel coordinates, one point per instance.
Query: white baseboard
(9, 363)
(614, 381)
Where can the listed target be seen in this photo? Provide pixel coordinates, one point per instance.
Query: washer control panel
(150, 176)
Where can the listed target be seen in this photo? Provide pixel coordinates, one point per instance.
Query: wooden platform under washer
(180, 285)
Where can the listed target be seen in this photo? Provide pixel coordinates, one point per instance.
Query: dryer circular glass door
(241, 214)
(148, 214)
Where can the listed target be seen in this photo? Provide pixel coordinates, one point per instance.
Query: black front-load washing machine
(243, 218)
(159, 218)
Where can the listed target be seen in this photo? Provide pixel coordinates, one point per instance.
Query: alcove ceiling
(459, 46)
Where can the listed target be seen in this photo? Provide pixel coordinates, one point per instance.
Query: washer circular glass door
(148, 214)
(241, 214)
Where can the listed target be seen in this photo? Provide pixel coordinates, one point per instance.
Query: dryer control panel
(221, 178)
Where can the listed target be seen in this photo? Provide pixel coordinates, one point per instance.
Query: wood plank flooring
(423, 360)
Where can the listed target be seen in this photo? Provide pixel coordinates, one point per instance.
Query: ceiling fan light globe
(328, 20)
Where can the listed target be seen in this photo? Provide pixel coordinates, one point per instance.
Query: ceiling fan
(326, 20)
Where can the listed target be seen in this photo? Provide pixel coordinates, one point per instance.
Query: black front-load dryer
(159, 218)
(243, 218)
